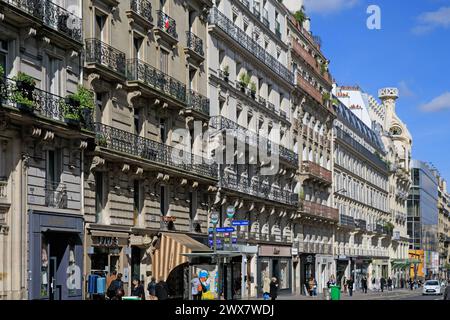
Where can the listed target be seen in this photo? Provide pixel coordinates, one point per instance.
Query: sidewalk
(371, 295)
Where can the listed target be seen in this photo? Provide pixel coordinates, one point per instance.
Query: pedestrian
(447, 293)
(196, 288)
(364, 284)
(111, 277)
(382, 283)
(138, 289)
(151, 288)
(331, 282)
(389, 283)
(311, 286)
(162, 290)
(115, 285)
(350, 286)
(274, 289)
(402, 283)
(344, 284)
(266, 286)
(411, 284)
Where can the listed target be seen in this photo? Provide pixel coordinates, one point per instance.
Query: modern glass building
(423, 214)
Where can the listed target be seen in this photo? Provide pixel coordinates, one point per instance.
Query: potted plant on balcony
(226, 72)
(252, 87)
(389, 227)
(23, 92)
(79, 106)
(100, 140)
(244, 80)
(300, 16)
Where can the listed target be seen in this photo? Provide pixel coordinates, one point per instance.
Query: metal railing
(361, 224)
(288, 155)
(194, 43)
(309, 88)
(226, 25)
(138, 70)
(42, 103)
(346, 220)
(256, 186)
(317, 171)
(106, 55)
(320, 210)
(126, 142)
(198, 102)
(270, 106)
(167, 24)
(142, 8)
(55, 195)
(52, 16)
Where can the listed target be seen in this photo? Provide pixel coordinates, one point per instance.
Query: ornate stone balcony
(155, 79)
(316, 172)
(218, 19)
(100, 54)
(194, 46)
(316, 209)
(166, 27)
(42, 104)
(257, 187)
(288, 155)
(312, 91)
(50, 15)
(198, 102)
(149, 150)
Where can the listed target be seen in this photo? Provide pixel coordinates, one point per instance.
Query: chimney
(388, 97)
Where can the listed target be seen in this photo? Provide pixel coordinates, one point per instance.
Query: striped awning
(169, 253)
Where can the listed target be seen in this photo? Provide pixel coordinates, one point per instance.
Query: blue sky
(411, 52)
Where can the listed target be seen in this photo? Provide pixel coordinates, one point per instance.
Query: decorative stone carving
(139, 171)
(49, 136)
(131, 96)
(4, 229)
(195, 185)
(83, 144)
(93, 77)
(36, 132)
(125, 168)
(97, 163)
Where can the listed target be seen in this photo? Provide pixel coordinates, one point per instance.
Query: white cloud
(293, 5)
(405, 90)
(437, 104)
(428, 21)
(328, 6)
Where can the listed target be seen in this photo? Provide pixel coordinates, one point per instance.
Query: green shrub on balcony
(226, 70)
(300, 16)
(244, 80)
(23, 92)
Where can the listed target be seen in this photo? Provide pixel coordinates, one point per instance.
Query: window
(137, 206)
(192, 208)
(137, 122)
(164, 61)
(98, 106)
(4, 55)
(137, 48)
(234, 17)
(163, 200)
(99, 196)
(54, 167)
(54, 76)
(162, 130)
(100, 22)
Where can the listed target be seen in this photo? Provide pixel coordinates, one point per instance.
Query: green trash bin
(335, 293)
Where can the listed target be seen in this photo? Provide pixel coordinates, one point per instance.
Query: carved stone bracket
(131, 96)
(93, 77)
(125, 168)
(49, 136)
(36, 132)
(97, 163)
(4, 229)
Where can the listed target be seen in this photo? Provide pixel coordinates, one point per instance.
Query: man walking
(364, 284)
(382, 283)
(447, 293)
(350, 286)
(389, 283)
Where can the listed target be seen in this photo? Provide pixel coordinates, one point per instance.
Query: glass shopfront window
(284, 275)
(44, 268)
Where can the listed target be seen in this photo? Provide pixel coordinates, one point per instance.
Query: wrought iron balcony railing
(271, 106)
(198, 102)
(195, 43)
(103, 54)
(246, 3)
(126, 142)
(361, 224)
(138, 70)
(52, 16)
(316, 209)
(288, 155)
(346, 220)
(41, 103)
(257, 12)
(167, 24)
(317, 171)
(55, 195)
(283, 114)
(143, 8)
(226, 25)
(257, 187)
(309, 89)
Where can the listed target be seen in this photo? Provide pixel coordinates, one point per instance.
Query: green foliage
(326, 96)
(244, 79)
(252, 86)
(226, 70)
(2, 71)
(19, 98)
(300, 16)
(23, 77)
(85, 97)
(101, 140)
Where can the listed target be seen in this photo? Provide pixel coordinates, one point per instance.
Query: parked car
(432, 287)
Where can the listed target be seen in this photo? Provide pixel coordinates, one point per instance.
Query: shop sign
(225, 229)
(240, 223)
(268, 251)
(276, 251)
(106, 241)
(342, 258)
(230, 212)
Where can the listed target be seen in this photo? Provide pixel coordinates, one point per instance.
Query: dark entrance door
(276, 269)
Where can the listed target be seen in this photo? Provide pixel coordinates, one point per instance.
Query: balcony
(141, 12)
(4, 201)
(317, 172)
(155, 79)
(100, 54)
(312, 62)
(41, 104)
(283, 115)
(270, 106)
(194, 46)
(289, 156)
(257, 12)
(55, 195)
(361, 224)
(52, 16)
(316, 209)
(312, 91)
(218, 19)
(347, 221)
(246, 3)
(257, 187)
(313, 40)
(166, 28)
(198, 102)
(149, 150)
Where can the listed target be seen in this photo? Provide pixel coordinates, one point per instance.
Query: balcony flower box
(23, 93)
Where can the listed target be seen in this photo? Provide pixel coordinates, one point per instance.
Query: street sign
(234, 240)
(240, 223)
(225, 229)
(214, 217)
(230, 212)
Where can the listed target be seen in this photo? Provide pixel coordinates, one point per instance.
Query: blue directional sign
(225, 229)
(240, 223)
(234, 240)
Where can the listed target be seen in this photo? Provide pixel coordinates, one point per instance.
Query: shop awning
(170, 253)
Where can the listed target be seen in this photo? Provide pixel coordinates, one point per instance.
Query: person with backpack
(350, 286)
(115, 285)
(151, 288)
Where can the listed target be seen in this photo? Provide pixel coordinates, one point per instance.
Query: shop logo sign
(108, 241)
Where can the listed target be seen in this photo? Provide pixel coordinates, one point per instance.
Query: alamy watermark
(374, 19)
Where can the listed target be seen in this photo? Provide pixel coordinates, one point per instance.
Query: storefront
(325, 268)
(360, 269)
(275, 261)
(55, 256)
(107, 251)
(380, 268)
(343, 267)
